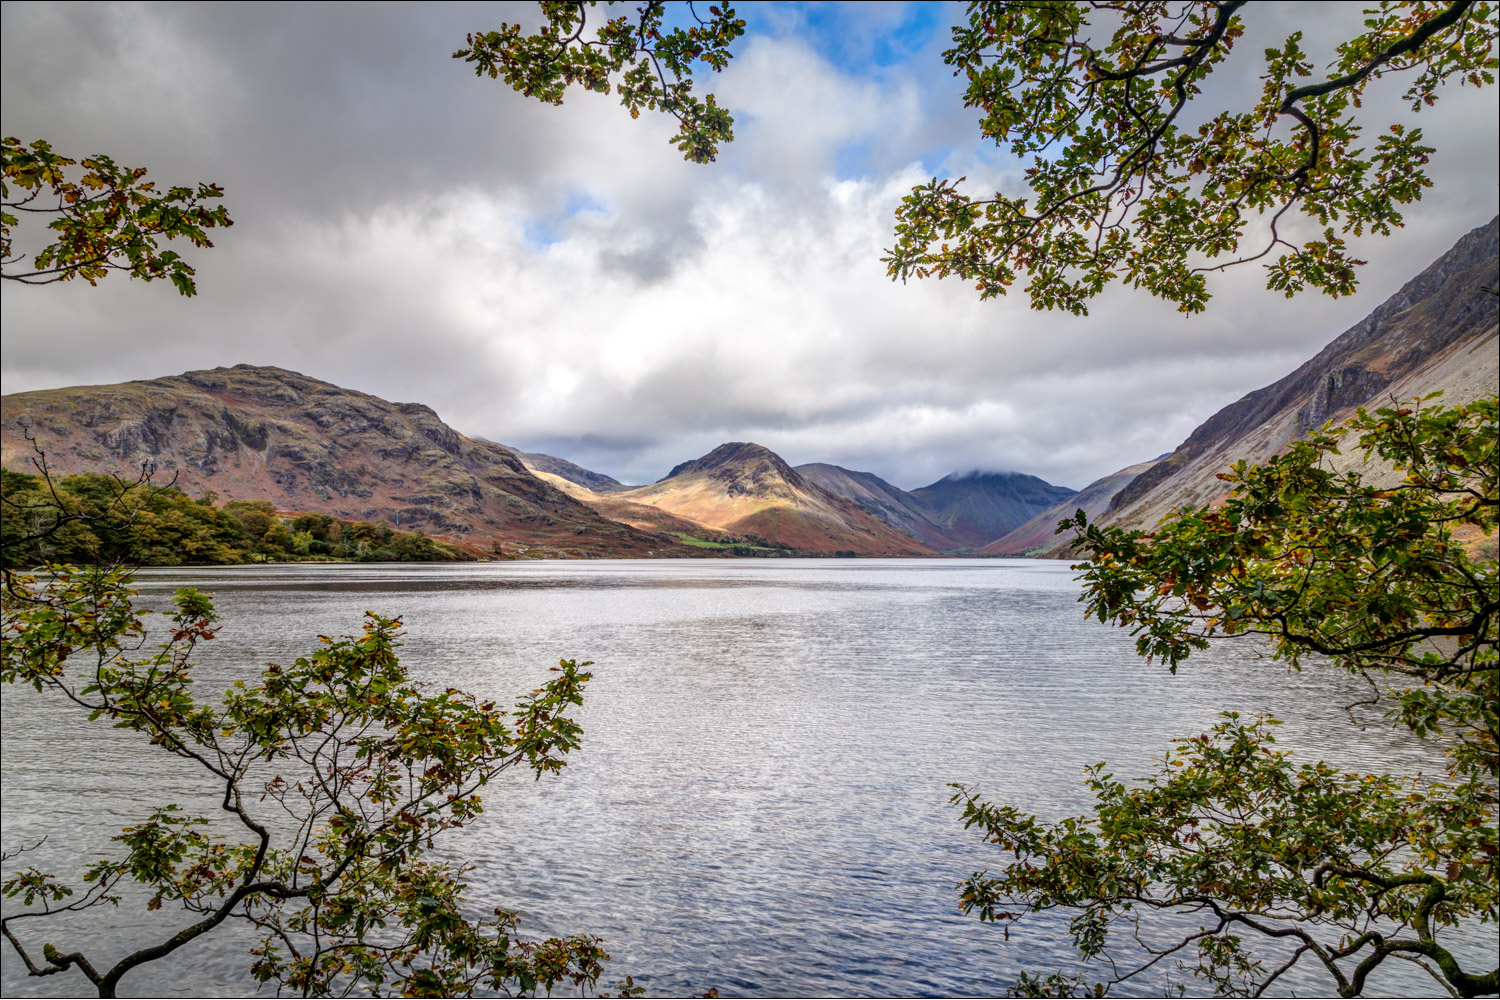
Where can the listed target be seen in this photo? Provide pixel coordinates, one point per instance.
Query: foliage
(1127, 182)
(335, 774)
(1366, 573)
(1346, 870)
(106, 218)
(633, 59)
(1130, 178)
(82, 519)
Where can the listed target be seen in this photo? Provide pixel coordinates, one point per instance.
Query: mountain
(641, 516)
(249, 433)
(1037, 536)
(976, 508)
(596, 482)
(1438, 332)
(747, 490)
(874, 495)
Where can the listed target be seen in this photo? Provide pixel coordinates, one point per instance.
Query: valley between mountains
(305, 446)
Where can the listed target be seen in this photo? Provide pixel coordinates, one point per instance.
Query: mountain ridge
(874, 495)
(268, 433)
(745, 489)
(1441, 310)
(975, 508)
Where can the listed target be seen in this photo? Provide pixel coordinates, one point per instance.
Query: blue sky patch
(850, 36)
(542, 231)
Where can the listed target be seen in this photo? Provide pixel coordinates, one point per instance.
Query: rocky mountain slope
(874, 495)
(746, 490)
(976, 508)
(1438, 332)
(305, 445)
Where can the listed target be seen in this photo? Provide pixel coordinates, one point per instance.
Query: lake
(761, 801)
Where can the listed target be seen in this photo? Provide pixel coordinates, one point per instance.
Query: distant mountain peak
(747, 490)
(975, 508)
(737, 461)
(965, 476)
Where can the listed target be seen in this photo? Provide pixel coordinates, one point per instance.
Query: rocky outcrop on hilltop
(1437, 332)
(305, 445)
(744, 469)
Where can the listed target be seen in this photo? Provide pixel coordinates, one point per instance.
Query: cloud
(558, 279)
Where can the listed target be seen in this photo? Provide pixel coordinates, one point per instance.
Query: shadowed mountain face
(874, 495)
(1437, 332)
(977, 508)
(249, 433)
(747, 490)
(1038, 535)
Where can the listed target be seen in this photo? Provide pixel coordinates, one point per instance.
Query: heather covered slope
(976, 508)
(1437, 332)
(748, 491)
(305, 445)
(874, 495)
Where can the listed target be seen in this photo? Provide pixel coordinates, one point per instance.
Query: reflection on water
(761, 801)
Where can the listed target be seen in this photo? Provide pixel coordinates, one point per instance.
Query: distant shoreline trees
(169, 528)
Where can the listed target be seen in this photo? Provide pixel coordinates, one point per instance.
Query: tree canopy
(1134, 171)
(648, 64)
(335, 772)
(1366, 571)
(93, 517)
(101, 217)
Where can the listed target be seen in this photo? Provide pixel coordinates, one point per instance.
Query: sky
(558, 279)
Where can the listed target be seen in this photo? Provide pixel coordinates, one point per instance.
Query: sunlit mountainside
(248, 433)
(745, 490)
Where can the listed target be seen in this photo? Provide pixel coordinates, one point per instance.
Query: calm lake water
(761, 802)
